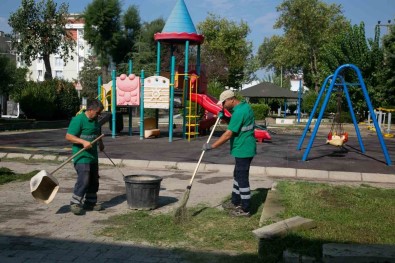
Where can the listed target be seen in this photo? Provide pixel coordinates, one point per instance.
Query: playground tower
(180, 30)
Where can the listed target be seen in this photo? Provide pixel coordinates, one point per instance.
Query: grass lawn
(7, 175)
(363, 215)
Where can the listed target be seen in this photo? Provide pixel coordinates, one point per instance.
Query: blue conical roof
(179, 20)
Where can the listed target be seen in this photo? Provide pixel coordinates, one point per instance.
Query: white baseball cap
(227, 94)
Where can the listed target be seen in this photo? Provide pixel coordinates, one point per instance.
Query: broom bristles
(180, 214)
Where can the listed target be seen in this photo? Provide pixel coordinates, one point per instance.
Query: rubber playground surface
(279, 152)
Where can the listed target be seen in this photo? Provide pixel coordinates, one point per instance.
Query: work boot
(228, 205)
(239, 212)
(93, 207)
(77, 209)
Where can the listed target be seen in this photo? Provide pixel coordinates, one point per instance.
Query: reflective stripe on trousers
(241, 193)
(87, 183)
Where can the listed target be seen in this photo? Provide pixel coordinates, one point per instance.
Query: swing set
(337, 136)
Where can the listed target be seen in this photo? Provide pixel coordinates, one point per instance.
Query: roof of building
(268, 90)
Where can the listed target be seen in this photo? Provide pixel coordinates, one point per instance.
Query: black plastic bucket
(142, 191)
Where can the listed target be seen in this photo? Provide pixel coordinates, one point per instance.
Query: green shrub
(37, 100)
(48, 100)
(260, 111)
(292, 108)
(67, 100)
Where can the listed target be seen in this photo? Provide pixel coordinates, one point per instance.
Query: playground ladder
(192, 116)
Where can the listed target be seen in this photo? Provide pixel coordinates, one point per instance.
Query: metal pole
(313, 112)
(130, 71)
(142, 106)
(299, 99)
(171, 111)
(114, 102)
(99, 89)
(184, 128)
(157, 58)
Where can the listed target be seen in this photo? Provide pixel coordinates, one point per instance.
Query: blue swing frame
(333, 83)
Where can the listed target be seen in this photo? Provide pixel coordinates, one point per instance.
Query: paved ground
(32, 232)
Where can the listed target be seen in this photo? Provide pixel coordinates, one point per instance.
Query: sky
(259, 14)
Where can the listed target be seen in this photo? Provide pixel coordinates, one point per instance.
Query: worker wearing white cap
(240, 132)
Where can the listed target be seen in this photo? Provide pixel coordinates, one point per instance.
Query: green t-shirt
(242, 143)
(84, 128)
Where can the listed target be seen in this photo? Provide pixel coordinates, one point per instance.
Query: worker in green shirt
(83, 129)
(240, 132)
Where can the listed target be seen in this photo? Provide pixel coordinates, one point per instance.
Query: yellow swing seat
(337, 140)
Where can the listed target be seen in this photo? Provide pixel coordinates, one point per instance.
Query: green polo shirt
(84, 128)
(242, 143)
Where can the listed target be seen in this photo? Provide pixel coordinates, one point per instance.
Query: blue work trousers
(87, 184)
(241, 193)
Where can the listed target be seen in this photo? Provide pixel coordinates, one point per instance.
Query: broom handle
(201, 155)
(77, 153)
(119, 169)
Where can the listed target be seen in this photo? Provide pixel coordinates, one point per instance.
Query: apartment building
(69, 71)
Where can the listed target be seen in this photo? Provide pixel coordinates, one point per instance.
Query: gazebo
(269, 90)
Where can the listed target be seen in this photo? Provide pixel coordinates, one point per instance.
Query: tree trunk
(315, 72)
(105, 75)
(48, 70)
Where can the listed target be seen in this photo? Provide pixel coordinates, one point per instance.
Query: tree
(144, 56)
(267, 55)
(88, 78)
(12, 79)
(352, 47)
(39, 30)
(389, 67)
(308, 25)
(19, 83)
(226, 52)
(7, 71)
(103, 29)
(130, 31)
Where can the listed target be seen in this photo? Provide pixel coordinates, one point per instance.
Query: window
(40, 60)
(58, 74)
(40, 75)
(58, 62)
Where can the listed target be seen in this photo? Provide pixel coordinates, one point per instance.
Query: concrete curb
(280, 172)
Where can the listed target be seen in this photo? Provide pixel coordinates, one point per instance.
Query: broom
(181, 212)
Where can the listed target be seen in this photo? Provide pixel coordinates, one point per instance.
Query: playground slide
(210, 104)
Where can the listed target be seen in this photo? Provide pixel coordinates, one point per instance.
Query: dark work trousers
(241, 194)
(87, 183)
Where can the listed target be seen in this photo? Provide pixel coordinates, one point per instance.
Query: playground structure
(342, 86)
(158, 92)
(381, 114)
